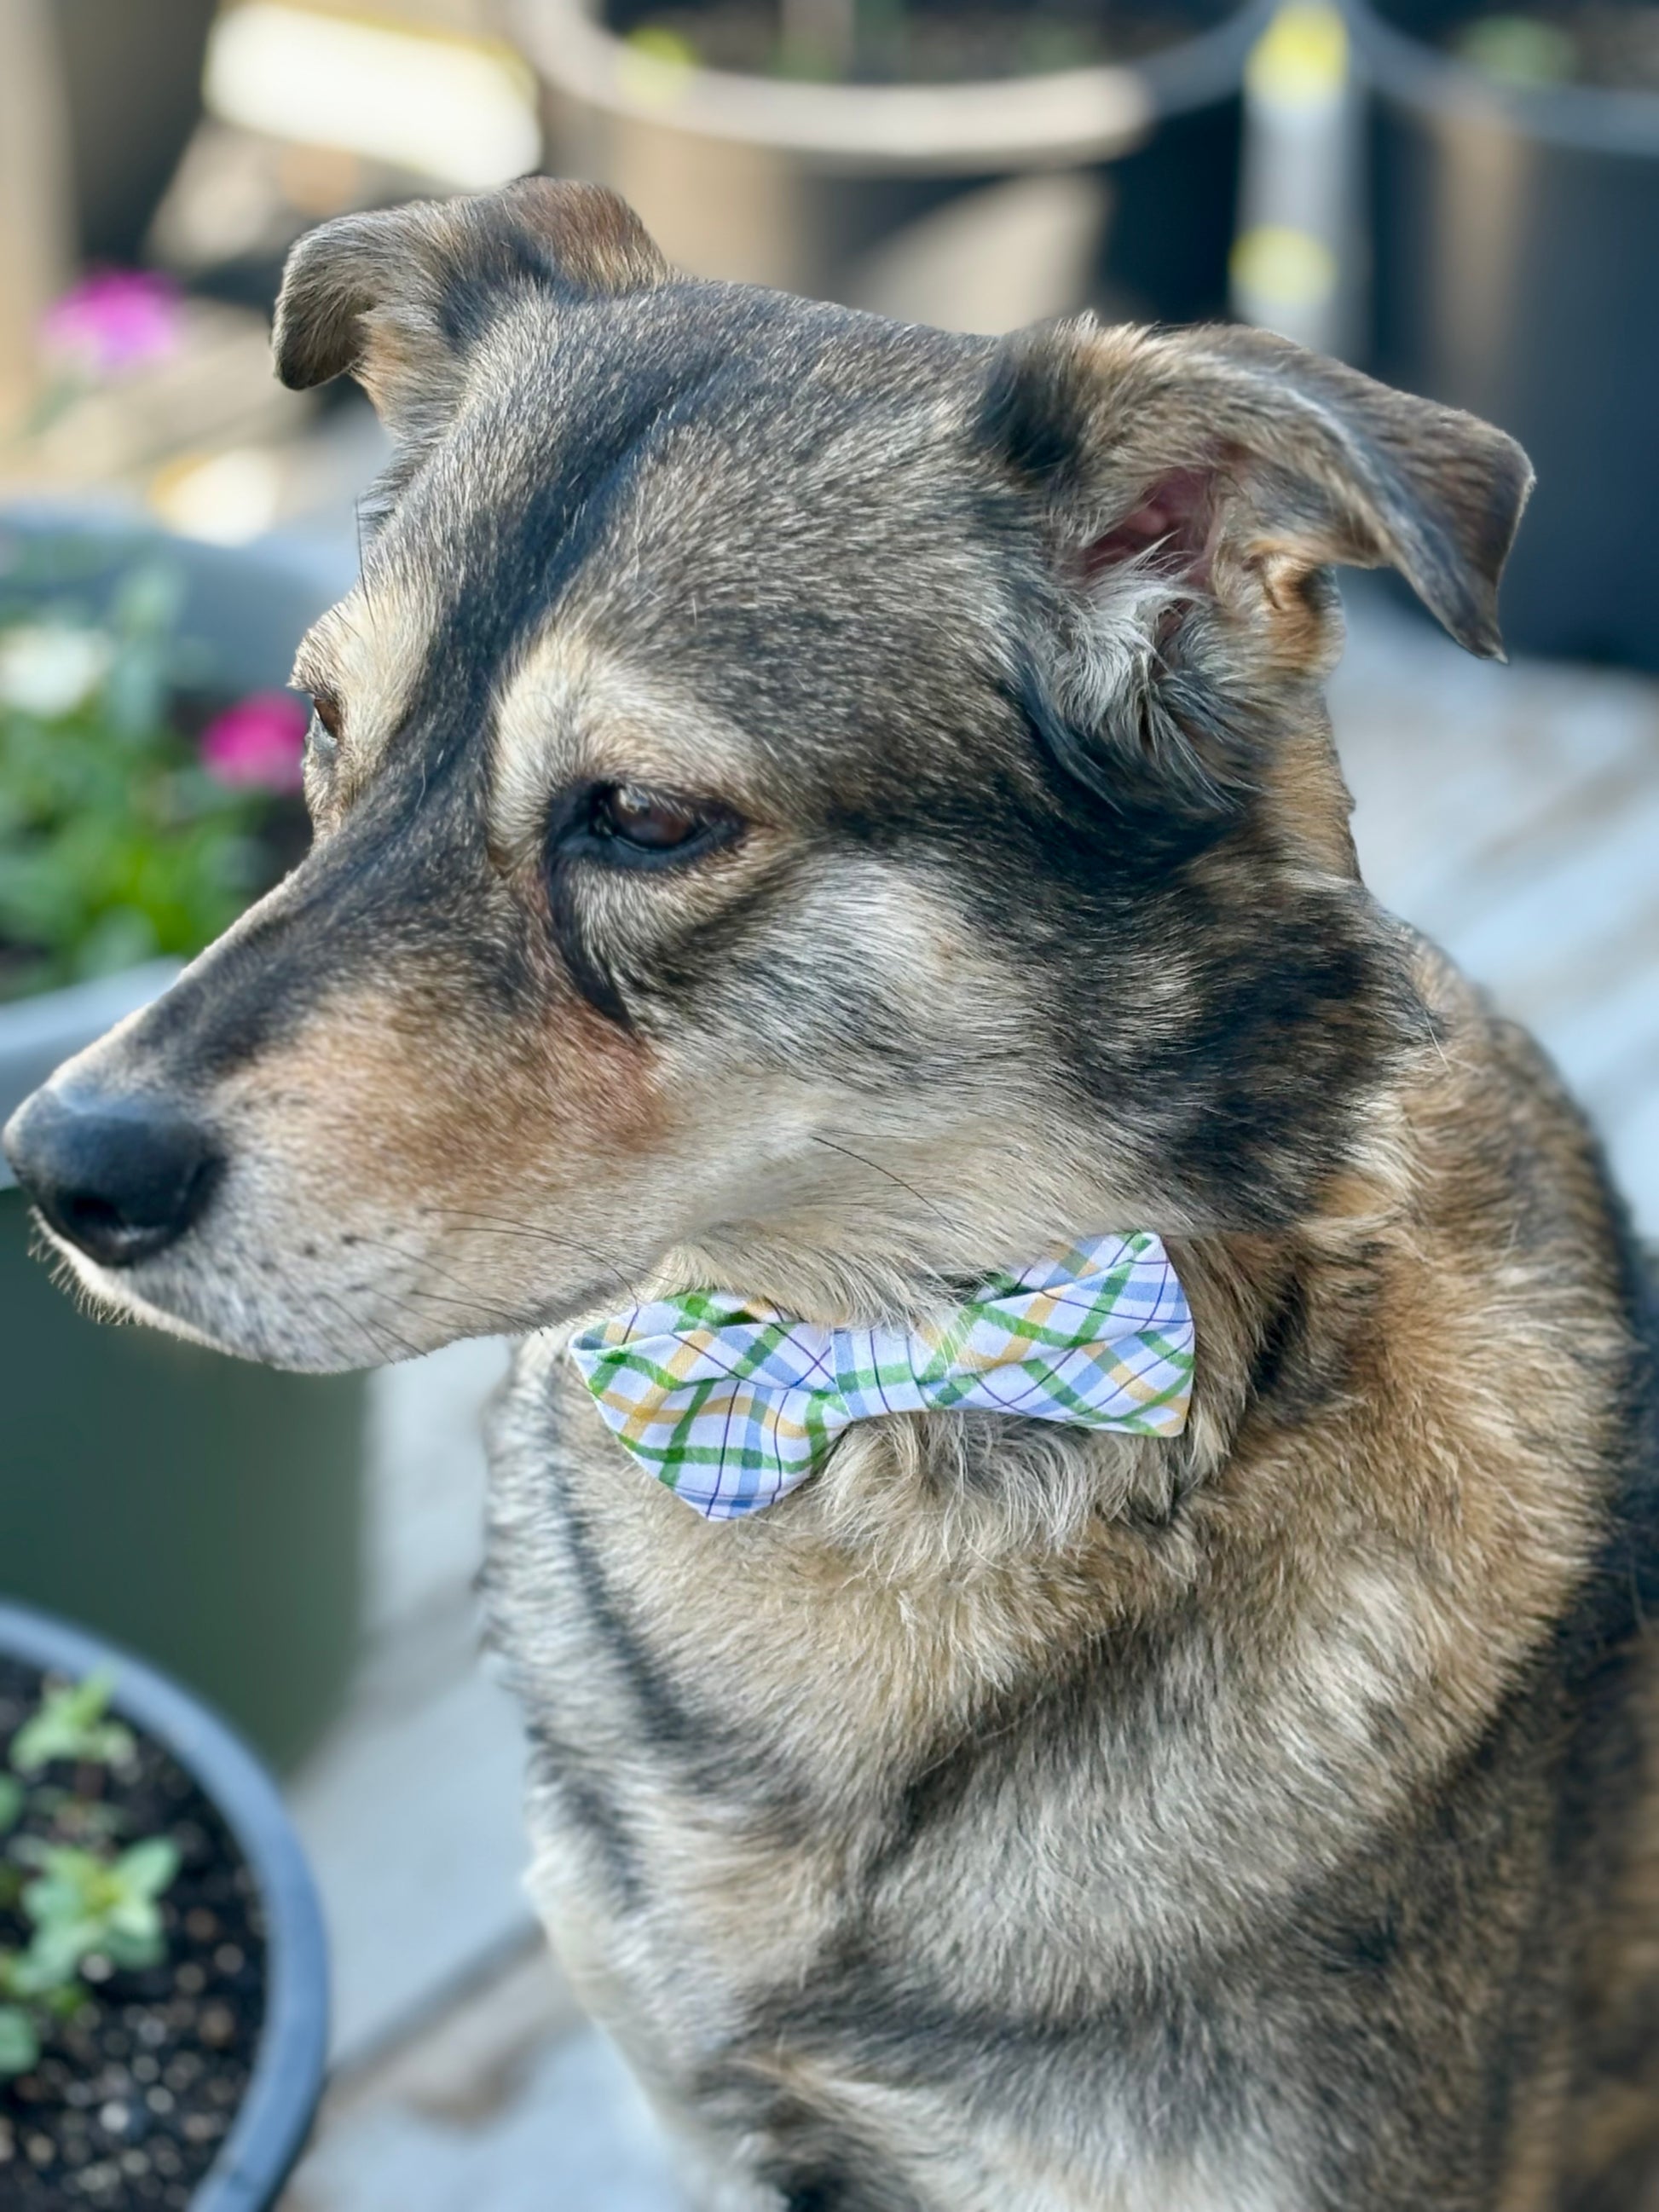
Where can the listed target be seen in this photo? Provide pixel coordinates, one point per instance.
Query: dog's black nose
(122, 1177)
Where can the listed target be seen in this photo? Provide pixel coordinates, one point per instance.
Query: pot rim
(1052, 120)
(1583, 118)
(290, 2059)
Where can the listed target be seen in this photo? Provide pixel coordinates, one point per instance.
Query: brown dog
(825, 809)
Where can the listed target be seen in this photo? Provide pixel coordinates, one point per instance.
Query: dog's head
(808, 801)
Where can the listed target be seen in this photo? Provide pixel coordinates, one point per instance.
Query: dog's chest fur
(840, 1953)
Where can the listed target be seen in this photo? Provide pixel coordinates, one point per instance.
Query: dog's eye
(626, 826)
(655, 825)
(323, 737)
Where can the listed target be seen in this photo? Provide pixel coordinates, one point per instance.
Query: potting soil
(133, 2095)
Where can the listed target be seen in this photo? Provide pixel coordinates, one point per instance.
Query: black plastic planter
(1517, 243)
(270, 2128)
(977, 204)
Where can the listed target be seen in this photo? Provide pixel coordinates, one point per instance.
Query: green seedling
(84, 1901)
(72, 1724)
(20, 2045)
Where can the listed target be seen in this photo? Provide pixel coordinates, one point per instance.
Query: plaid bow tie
(731, 1404)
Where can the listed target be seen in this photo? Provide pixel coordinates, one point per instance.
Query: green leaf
(54, 1956)
(81, 1903)
(11, 1803)
(132, 1948)
(70, 1725)
(137, 1917)
(20, 2046)
(70, 1880)
(70, 1904)
(147, 1869)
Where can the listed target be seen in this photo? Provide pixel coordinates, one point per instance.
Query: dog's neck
(964, 1492)
(1001, 1488)
(1355, 1406)
(1326, 1354)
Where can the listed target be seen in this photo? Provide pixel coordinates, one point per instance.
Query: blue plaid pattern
(731, 1404)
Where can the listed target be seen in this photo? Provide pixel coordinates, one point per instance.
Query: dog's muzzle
(121, 1176)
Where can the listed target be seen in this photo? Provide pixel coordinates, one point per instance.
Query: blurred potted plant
(1516, 180)
(204, 1510)
(163, 1972)
(976, 167)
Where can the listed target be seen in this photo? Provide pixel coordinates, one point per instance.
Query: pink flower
(117, 319)
(258, 744)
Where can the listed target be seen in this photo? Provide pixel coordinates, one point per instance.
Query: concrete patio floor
(1514, 813)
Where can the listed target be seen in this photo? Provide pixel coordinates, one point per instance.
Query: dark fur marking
(818, 2165)
(1005, 1732)
(1127, 769)
(709, 1755)
(1179, 2054)
(1032, 416)
(1295, 1374)
(825, 2193)
(590, 1809)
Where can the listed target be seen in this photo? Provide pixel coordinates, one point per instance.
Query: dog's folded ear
(399, 296)
(1196, 486)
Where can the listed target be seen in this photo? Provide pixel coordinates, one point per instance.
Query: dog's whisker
(361, 1326)
(487, 1224)
(877, 1167)
(375, 1333)
(501, 1320)
(420, 1261)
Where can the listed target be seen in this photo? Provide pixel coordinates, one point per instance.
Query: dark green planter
(205, 1511)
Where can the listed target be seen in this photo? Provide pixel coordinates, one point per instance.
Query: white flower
(50, 669)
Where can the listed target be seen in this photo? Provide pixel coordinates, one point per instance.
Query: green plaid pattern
(731, 1404)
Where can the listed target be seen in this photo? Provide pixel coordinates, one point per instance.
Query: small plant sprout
(72, 1724)
(91, 1908)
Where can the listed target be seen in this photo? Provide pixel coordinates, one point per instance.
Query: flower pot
(978, 206)
(1514, 275)
(276, 2108)
(204, 1511)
